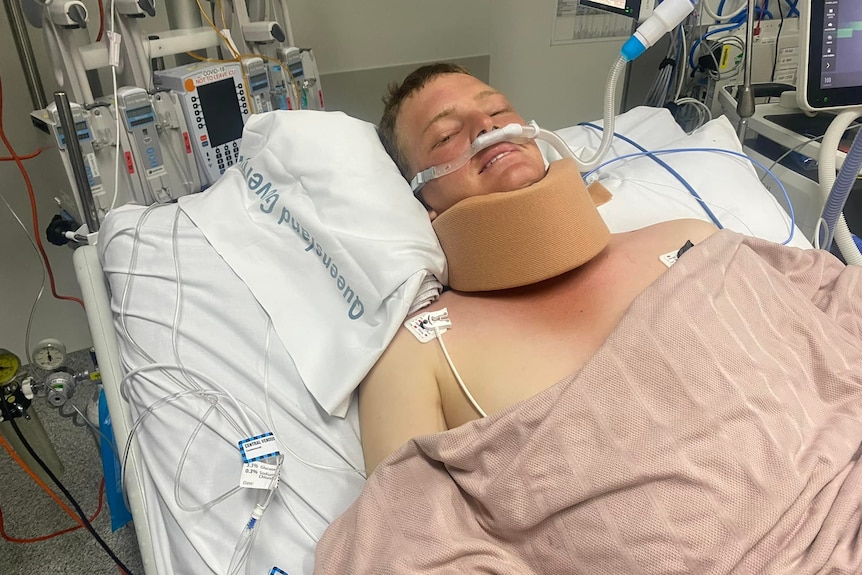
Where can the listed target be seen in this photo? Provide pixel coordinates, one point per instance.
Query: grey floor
(28, 512)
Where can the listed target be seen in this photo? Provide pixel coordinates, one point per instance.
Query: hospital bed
(225, 315)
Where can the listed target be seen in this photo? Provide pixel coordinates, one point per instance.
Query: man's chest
(507, 349)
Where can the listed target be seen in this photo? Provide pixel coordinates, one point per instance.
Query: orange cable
(34, 212)
(11, 539)
(39, 481)
(101, 21)
(29, 156)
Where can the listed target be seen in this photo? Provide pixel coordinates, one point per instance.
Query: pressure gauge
(49, 354)
(9, 364)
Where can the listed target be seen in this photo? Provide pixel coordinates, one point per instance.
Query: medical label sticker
(259, 475)
(258, 447)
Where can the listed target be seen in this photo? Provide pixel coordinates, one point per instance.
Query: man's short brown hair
(414, 82)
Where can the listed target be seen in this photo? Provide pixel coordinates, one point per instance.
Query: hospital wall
(20, 267)
(559, 85)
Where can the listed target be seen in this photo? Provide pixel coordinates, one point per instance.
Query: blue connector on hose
(667, 16)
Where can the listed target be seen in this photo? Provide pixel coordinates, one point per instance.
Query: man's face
(440, 121)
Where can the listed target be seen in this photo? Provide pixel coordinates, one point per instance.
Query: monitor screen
(841, 52)
(834, 63)
(222, 115)
(629, 8)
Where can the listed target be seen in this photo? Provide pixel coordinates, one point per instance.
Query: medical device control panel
(216, 106)
(143, 156)
(258, 84)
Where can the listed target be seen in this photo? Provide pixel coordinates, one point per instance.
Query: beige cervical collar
(512, 239)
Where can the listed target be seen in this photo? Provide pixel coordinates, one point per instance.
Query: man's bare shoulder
(698, 229)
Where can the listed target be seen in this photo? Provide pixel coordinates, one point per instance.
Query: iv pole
(745, 98)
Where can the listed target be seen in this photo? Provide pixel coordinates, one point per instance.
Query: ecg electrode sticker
(258, 447)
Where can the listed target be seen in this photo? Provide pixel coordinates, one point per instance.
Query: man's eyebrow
(485, 93)
(438, 117)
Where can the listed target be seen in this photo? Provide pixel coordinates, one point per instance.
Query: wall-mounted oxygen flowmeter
(215, 103)
(143, 152)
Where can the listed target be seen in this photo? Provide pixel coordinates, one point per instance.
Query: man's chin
(520, 179)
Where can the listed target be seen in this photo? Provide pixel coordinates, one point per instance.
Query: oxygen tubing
(838, 189)
(610, 113)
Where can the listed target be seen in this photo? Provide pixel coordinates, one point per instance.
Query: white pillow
(318, 222)
(645, 193)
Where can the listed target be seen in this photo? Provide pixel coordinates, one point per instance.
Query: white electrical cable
(466, 391)
(706, 113)
(724, 17)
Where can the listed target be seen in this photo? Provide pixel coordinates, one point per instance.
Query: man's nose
(484, 125)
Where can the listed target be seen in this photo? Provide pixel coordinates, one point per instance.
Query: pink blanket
(718, 430)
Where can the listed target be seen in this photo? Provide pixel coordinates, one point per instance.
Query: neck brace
(512, 239)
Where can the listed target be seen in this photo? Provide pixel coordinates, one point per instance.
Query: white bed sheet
(222, 332)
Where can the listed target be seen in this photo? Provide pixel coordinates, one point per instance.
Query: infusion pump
(216, 104)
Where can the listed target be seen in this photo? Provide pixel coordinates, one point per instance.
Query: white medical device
(215, 103)
(143, 150)
(95, 131)
(263, 32)
(301, 78)
(70, 14)
(258, 84)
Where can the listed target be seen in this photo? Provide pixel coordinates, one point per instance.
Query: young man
(507, 344)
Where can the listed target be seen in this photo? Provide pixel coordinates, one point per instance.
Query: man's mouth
(496, 153)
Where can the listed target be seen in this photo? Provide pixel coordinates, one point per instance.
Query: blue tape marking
(277, 571)
(242, 443)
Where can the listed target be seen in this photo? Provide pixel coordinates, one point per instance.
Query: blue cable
(719, 150)
(664, 165)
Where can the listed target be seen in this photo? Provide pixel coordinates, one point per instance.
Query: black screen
(842, 45)
(834, 65)
(630, 8)
(220, 107)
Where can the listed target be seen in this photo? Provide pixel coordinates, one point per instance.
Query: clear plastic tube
(609, 117)
(511, 133)
(519, 133)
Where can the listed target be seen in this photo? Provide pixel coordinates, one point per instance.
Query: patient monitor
(831, 67)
